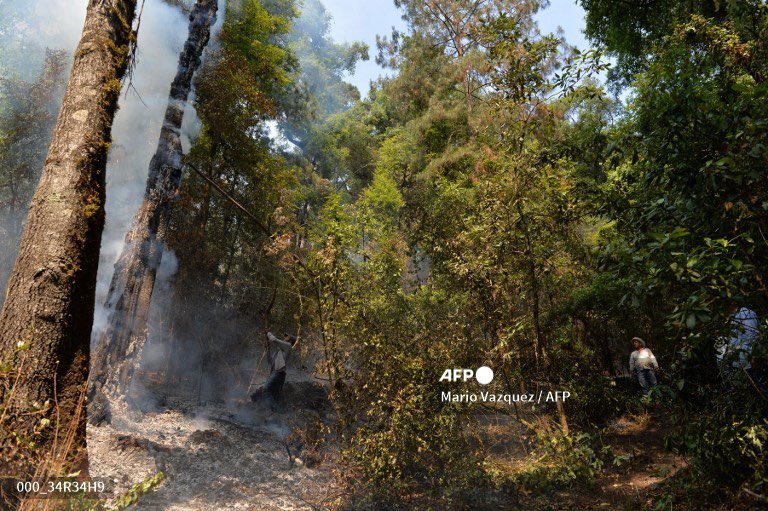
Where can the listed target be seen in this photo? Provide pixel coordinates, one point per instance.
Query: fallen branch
(754, 495)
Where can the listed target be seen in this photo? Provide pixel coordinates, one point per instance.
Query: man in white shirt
(643, 361)
(277, 369)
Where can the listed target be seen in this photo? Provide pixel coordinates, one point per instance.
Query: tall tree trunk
(119, 346)
(540, 339)
(205, 208)
(50, 299)
(230, 259)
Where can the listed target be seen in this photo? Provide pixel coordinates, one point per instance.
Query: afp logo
(484, 375)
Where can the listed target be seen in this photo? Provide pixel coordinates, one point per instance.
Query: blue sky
(356, 20)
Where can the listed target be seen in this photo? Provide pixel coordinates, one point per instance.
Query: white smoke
(40, 24)
(59, 22)
(135, 132)
(162, 33)
(27, 29)
(34, 25)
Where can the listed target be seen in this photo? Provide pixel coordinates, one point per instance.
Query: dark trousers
(647, 379)
(274, 387)
(271, 390)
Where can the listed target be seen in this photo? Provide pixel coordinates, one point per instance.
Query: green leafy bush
(560, 460)
(418, 446)
(730, 445)
(595, 400)
(132, 496)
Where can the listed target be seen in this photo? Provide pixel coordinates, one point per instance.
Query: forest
(513, 274)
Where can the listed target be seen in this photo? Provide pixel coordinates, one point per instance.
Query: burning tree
(130, 291)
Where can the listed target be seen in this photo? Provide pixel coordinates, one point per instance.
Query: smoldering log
(130, 292)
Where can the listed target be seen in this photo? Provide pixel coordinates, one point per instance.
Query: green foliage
(380, 206)
(410, 441)
(629, 30)
(137, 490)
(341, 147)
(227, 281)
(400, 439)
(323, 62)
(688, 197)
(443, 227)
(489, 204)
(415, 445)
(319, 90)
(596, 400)
(729, 443)
(559, 461)
(249, 34)
(686, 194)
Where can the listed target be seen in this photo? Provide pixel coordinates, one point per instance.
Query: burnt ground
(217, 456)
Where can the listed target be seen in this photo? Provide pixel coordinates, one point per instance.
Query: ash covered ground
(218, 456)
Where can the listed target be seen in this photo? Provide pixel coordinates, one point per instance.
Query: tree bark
(50, 299)
(119, 346)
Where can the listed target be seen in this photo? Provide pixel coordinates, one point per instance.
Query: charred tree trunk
(50, 300)
(119, 346)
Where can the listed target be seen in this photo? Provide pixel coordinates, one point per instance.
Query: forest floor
(640, 474)
(632, 480)
(216, 456)
(238, 456)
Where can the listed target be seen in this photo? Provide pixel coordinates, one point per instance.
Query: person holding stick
(279, 349)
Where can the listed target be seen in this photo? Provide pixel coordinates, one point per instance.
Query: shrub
(595, 400)
(730, 444)
(560, 460)
(415, 446)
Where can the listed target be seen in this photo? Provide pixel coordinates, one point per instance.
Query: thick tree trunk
(50, 299)
(119, 346)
